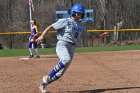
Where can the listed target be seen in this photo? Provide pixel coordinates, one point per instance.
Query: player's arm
(49, 28)
(40, 38)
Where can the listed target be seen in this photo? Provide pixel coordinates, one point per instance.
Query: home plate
(24, 58)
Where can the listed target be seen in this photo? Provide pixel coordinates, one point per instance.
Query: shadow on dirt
(103, 90)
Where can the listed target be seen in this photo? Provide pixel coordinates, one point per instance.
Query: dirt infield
(97, 72)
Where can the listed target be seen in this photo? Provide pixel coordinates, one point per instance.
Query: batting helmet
(77, 8)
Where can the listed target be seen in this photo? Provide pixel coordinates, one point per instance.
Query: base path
(95, 72)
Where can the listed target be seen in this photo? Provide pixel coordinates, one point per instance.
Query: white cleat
(44, 84)
(42, 87)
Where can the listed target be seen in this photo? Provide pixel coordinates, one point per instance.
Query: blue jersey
(68, 30)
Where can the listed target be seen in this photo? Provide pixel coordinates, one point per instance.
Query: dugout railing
(116, 35)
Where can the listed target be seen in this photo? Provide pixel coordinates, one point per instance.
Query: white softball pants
(65, 52)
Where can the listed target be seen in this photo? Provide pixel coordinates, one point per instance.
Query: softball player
(68, 30)
(31, 43)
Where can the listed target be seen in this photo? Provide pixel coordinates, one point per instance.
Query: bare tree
(14, 16)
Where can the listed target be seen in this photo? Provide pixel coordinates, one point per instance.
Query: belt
(72, 43)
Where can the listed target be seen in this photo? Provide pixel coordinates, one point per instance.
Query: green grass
(46, 51)
(24, 52)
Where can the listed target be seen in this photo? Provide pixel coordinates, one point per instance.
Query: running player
(68, 30)
(31, 43)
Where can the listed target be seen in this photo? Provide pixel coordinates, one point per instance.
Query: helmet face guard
(78, 8)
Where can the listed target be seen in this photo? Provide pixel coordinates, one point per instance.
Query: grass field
(45, 51)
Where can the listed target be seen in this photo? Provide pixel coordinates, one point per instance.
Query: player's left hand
(105, 34)
(39, 39)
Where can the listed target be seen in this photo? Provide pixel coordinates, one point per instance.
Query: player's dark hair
(74, 14)
(82, 16)
(35, 23)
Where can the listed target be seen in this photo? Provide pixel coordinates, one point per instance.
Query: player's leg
(63, 52)
(36, 49)
(56, 76)
(48, 78)
(71, 50)
(30, 49)
(64, 56)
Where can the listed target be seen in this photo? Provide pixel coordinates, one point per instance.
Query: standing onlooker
(1, 46)
(33, 36)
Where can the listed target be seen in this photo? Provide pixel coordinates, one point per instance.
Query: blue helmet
(77, 8)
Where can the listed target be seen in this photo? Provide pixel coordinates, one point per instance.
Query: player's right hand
(39, 39)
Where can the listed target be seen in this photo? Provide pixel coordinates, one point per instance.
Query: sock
(52, 79)
(37, 52)
(56, 69)
(30, 50)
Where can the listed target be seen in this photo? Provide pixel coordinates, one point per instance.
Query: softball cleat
(31, 56)
(37, 56)
(42, 87)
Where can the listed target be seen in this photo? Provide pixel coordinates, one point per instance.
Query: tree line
(108, 14)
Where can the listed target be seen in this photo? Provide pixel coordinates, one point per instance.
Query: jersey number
(76, 35)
